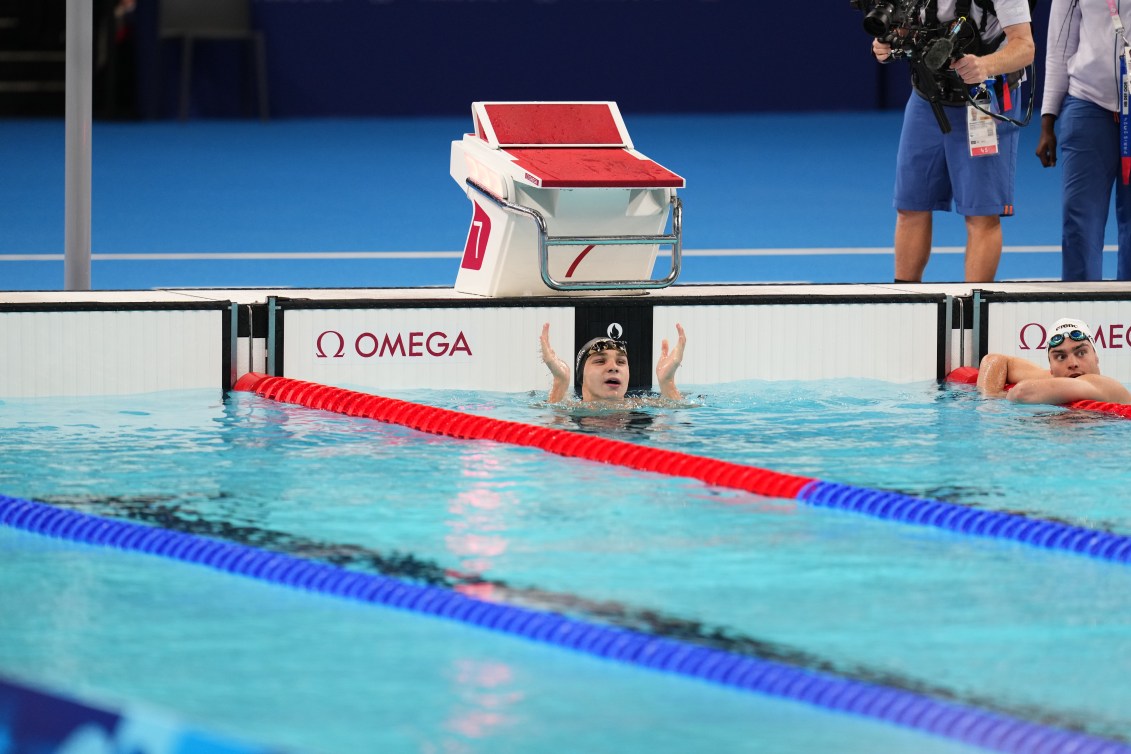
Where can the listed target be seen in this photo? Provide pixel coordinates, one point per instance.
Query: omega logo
(1033, 337)
(1022, 336)
(367, 345)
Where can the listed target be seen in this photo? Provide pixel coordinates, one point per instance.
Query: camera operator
(1082, 98)
(968, 166)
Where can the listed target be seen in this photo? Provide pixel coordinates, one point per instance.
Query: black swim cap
(595, 346)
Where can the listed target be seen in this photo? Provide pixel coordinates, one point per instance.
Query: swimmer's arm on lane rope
(1031, 384)
(998, 370)
(1061, 390)
(558, 368)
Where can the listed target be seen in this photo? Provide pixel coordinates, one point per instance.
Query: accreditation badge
(981, 132)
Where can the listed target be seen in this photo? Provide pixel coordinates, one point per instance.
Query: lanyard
(1124, 94)
(1115, 20)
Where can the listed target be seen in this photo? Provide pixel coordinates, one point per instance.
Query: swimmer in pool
(601, 370)
(1073, 373)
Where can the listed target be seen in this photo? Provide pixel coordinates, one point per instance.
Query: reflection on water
(613, 421)
(486, 696)
(478, 521)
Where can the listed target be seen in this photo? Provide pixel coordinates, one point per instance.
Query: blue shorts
(934, 171)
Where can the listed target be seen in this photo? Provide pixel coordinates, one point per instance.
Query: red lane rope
(969, 376)
(441, 421)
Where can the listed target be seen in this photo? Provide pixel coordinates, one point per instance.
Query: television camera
(928, 47)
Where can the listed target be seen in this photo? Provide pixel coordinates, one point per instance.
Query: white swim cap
(1065, 328)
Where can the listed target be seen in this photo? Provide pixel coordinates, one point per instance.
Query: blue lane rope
(989, 730)
(962, 519)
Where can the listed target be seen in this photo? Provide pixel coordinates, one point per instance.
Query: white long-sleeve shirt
(1082, 56)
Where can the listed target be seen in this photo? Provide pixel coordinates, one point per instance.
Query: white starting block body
(561, 202)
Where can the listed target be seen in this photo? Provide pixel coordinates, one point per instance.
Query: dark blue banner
(435, 57)
(36, 722)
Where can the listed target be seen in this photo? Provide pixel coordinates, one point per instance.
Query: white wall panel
(109, 352)
(91, 351)
(728, 343)
(462, 349)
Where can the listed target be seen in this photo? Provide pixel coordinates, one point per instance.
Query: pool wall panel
(365, 345)
(483, 348)
(61, 350)
(888, 341)
(1017, 325)
(134, 342)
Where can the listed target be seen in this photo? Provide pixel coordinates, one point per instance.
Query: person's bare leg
(983, 248)
(912, 244)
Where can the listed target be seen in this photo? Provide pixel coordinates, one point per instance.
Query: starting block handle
(545, 241)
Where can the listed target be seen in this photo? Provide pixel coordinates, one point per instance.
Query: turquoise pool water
(1038, 635)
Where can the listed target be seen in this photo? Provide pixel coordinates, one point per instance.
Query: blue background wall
(433, 57)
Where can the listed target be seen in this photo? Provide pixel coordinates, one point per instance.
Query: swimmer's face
(1073, 358)
(605, 376)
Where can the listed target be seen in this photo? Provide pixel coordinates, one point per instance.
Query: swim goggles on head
(1075, 335)
(597, 345)
(607, 344)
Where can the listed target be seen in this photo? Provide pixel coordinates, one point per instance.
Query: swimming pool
(1036, 635)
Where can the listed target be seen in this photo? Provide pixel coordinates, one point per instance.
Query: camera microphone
(938, 53)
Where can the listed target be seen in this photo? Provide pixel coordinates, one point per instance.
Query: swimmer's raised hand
(668, 363)
(558, 368)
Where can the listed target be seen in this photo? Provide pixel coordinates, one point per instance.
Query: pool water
(943, 442)
(1038, 635)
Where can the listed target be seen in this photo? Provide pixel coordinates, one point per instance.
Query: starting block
(562, 202)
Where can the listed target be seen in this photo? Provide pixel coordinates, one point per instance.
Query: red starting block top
(550, 124)
(580, 167)
(569, 145)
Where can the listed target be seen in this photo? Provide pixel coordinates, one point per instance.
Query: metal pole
(79, 93)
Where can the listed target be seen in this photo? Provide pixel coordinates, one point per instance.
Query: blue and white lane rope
(962, 519)
(970, 725)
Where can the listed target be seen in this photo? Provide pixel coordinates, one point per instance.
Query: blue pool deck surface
(369, 202)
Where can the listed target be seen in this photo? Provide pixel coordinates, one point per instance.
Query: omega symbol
(1024, 339)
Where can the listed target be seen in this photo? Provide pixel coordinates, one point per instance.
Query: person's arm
(1062, 42)
(668, 363)
(1059, 390)
(1063, 39)
(1017, 52)
(998, 370)
(558, 368)
(1046, 142)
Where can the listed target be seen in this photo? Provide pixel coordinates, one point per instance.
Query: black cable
(1030, 72)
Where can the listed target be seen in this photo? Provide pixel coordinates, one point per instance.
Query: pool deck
(261, 295)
